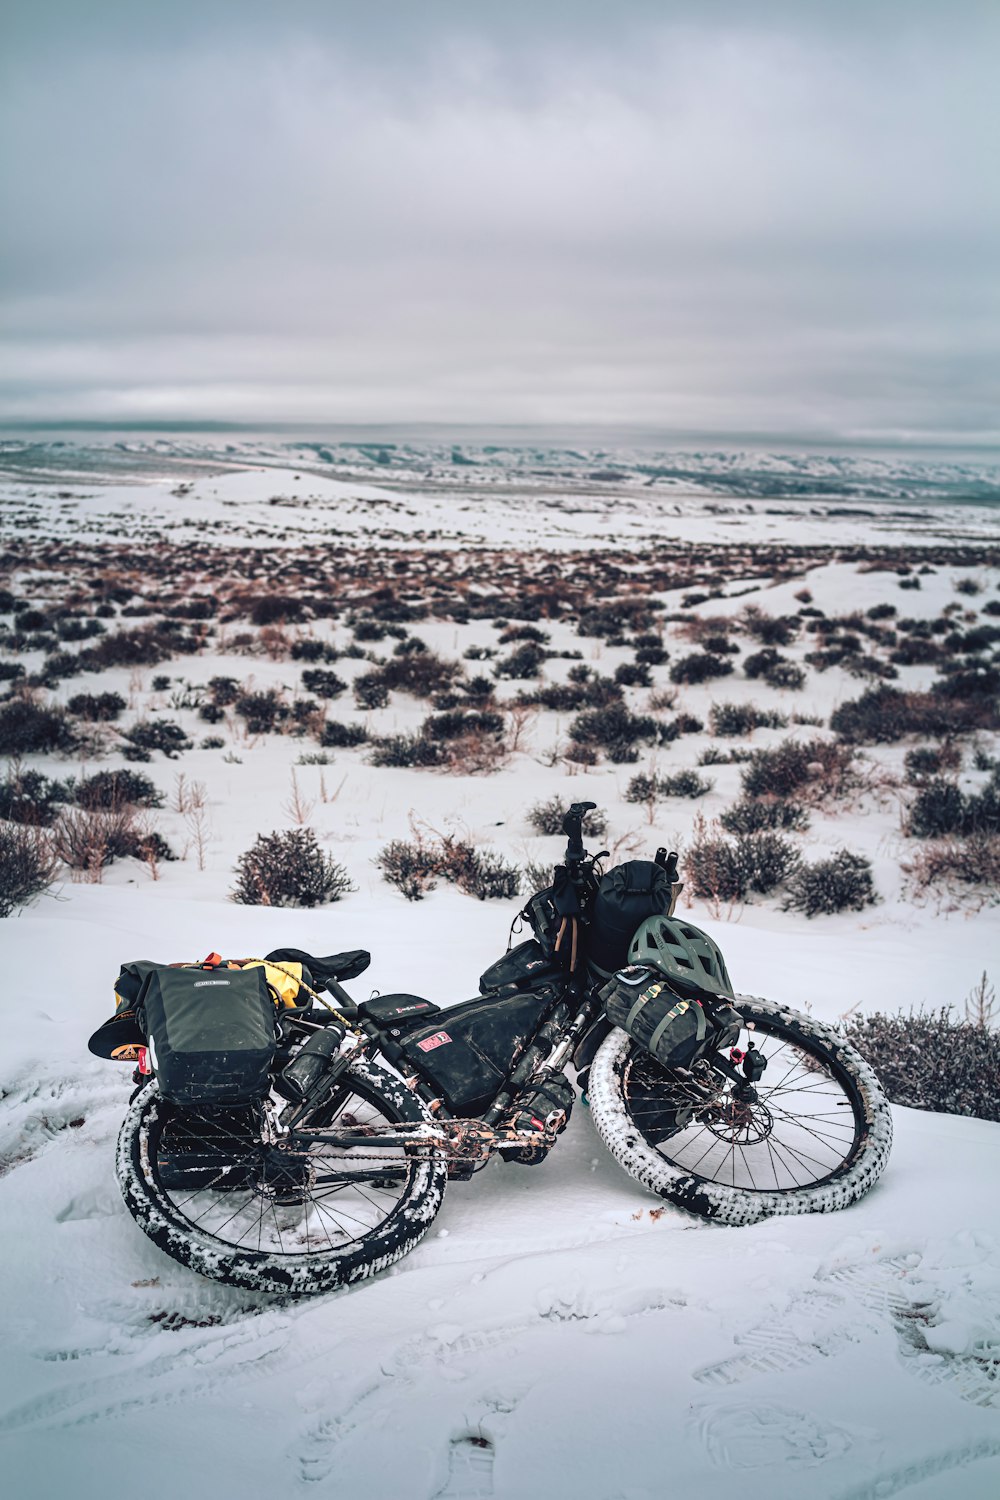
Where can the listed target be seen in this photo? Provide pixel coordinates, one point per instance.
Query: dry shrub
(88, 841)
(722, 869)
(956, 865)
(27, 866)
(884, 715)
(932, 1061)
(414, 868)
(288, 869)
(31, 798)
(809, 770)
(842, 883)
(27, 727)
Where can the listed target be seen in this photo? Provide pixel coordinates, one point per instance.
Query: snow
(559, 1332)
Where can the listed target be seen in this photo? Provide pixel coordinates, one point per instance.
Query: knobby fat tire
(291, 1275)
(729, 1205)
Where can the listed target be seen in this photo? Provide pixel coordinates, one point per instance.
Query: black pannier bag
(674, 1030)
(624, 898)
(210, 1034)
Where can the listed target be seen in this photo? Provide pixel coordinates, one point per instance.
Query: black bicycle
(333, 1162)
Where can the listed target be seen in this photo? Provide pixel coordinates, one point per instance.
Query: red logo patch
(437, 1040)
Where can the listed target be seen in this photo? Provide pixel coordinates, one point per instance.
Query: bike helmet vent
(683, 952)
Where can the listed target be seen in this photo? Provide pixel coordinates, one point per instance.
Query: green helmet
(683, 952)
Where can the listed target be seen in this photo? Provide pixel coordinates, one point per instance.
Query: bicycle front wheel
(813, 1135)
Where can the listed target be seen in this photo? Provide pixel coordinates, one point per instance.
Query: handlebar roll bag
(624, 898)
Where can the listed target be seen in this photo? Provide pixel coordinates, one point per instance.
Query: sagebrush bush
(941, 808)
(411, 866)
(107, 789)
(932, 1060)
(31, 798)
(700, 666)
(288, 869)
(547, 818)
(884, 715)
(771, 631)
(407, 750)
(684, 784)
(100, 708)
(371, 690)
(735, 719)
(761, 814)
(336, 736)
(930, 760)
(842, 883)
(414, 868)
(724, 869)
(957, 863)
(27, 866)
(323, 683)
(614, 729)
(158, 734)
(88, 840)
(456, 723)
(29, 728)
(262, 711)
(810, 770)
(525, 662)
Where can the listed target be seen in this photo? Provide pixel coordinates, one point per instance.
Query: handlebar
(573, 829)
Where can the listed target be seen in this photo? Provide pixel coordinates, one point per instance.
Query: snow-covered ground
(559, 1333)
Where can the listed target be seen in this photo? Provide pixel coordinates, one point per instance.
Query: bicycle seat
(337, 966)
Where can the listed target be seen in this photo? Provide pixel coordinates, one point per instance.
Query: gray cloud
(773, 217)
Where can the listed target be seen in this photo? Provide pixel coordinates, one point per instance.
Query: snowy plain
(558, 1333)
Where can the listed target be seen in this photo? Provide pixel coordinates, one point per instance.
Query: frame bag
(210, 1033)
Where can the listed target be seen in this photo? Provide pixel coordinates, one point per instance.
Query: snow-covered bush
(931, 1060)
(27, 866)
(288, 869)
(842, 883)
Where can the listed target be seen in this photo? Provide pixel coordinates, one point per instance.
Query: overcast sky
(755, 216)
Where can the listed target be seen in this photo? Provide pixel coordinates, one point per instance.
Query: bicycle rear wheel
(288, 1215)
